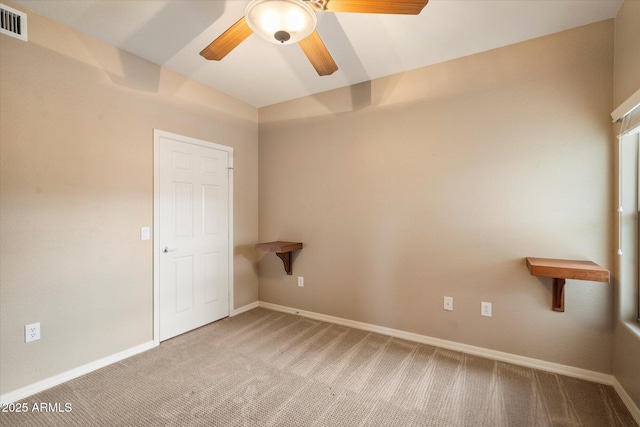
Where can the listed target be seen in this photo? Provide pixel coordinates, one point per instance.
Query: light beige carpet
(265, 368)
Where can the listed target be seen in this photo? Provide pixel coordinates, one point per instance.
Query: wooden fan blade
(227, 41)
(407, 7)
(318, 55)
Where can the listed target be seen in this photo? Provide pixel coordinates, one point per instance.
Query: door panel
(183, 268)
(193, 221)
(211, 276)
(183, 205)
(210, 210)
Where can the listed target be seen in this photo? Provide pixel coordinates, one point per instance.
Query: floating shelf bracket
(282, 250)
(560, 270)
(557, 303)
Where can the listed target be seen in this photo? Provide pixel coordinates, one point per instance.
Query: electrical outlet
(301, 281)
(448, 303)
(32, 332)
(485, 309)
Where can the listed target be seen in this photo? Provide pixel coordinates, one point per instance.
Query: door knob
(168, 249)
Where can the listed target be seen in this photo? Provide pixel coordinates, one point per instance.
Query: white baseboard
(45, 384)
(244, 308)
(528, 362)
(629, 403)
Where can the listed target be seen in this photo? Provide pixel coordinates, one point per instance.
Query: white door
(192, 246)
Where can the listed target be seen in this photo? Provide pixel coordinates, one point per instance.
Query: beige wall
(627, 53)
(439, 182)
(626, 350)
(77, 119)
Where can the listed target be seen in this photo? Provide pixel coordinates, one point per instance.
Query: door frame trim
(157, 134)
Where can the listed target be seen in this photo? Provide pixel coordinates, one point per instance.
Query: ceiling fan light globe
(267, 17)
(270, 21)
(295, 20)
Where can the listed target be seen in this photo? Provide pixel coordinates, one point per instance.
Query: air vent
(13, 22)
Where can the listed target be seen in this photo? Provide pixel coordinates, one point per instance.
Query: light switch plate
(145, 233)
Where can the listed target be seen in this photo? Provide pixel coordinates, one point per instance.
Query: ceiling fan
(294, 21)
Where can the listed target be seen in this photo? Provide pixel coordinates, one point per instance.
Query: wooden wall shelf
(562, 269)
(283, 251)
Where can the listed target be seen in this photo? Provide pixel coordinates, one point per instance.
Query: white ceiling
(171, 33)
